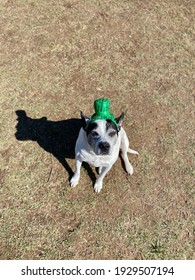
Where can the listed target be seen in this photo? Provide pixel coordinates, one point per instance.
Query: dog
(99, 143)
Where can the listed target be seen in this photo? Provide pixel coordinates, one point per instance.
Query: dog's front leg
(98, 183)
(75, 178)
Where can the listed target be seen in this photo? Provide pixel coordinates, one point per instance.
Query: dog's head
(102, 134)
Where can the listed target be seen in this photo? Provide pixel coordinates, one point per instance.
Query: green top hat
(102, 111)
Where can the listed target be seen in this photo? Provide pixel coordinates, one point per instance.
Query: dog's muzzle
(104, 148)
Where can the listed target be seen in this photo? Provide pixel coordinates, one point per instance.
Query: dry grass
(57, 57)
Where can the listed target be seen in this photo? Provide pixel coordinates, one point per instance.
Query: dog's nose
(104, 147)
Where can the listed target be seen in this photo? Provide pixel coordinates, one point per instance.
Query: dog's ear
(85, 120)
(119, 120)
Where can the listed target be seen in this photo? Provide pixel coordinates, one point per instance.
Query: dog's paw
(129, 169)
(98, 187)
(74, 181)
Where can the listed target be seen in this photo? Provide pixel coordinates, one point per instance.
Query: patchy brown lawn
(57, 57)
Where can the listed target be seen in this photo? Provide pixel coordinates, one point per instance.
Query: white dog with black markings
(99, 143)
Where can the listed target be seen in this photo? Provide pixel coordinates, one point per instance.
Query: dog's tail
(132, 152)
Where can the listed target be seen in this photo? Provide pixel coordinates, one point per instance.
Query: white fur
(84, 152)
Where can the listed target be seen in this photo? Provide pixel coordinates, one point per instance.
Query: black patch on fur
(85, 120)
(90, 127)
(110, 124)
(84, 124)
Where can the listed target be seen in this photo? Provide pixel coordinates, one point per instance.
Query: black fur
(119, 120)
(90, 127)
(110, 124)
(85, 120)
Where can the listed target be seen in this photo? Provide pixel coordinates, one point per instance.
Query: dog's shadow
(56, 137)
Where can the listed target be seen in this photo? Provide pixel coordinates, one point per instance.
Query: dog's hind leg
(124, 148)
(99, 170)
(128, 166)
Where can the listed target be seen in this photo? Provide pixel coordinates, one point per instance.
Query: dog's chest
(96, 161)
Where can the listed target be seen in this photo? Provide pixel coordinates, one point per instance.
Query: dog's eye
(94, 134)
(112, 134)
